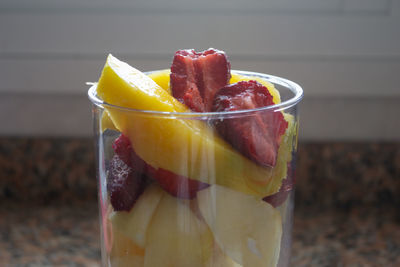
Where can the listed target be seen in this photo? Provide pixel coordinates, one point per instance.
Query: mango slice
(187, 147)
(106, 122)
(162, 79)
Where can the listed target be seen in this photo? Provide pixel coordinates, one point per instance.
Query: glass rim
(292, 86)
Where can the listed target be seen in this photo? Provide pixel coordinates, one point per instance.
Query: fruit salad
(195, 164)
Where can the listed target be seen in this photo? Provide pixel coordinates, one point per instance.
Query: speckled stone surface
(344, 175)
(44, 170)
(337, 174)
(361, 236)
(347, 199)
(68, 235)
(55, 235)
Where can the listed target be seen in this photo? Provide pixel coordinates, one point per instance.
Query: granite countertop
(68, 235)
(346, 211)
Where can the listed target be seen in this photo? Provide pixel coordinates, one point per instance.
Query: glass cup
(179, 189)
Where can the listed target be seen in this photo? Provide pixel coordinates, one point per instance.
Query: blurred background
(344, 53)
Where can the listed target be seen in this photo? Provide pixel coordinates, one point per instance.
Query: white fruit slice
(220, 259)
(134, 223)
(247, 229)
(176, 237)
(124, 251)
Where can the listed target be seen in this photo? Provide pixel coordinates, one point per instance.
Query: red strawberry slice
(197, 76)
(123, 148)
(124, 184)
(126, 180)
(177, 185)
(257, 136)
(287, 185)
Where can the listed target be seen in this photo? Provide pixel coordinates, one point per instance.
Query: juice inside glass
(173, 192)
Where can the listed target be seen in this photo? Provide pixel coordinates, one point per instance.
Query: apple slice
(247, 229)
(122, 245)
(220, 259)
(124, 251)
(134, 223)
(176, 237)
(198, 152)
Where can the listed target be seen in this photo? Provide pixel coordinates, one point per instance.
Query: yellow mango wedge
(187, 147)
(162, 79)
(106, 122)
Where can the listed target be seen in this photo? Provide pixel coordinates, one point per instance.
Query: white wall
(345, 54)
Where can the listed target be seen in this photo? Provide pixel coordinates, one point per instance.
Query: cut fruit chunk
(134, 224)
(280, 171)
(126, 175)
(124, 246)
(177, 185)
(176, 237)
(197, 76)
(106, 122)
(161, 78)
(247, 229)
(287, 185)
(125, 252)
(124, 86)
(198, 153)
(271, 88)
(257, 136)
(123, 148)
(220, 259)
(124, 184)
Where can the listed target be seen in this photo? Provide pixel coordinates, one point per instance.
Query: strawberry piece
(197, 76)
(287, 185)
(124, 184)
(178, 185)
(258, 135)
(123, 148)
(126, 172)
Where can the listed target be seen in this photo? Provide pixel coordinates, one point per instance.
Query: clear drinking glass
(172, 192)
